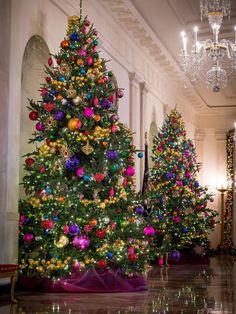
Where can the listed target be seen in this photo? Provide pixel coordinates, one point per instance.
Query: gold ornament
(76, 100)
(71, 92)
(87, 149)
(72, 124)
(65, 152)
(50, 122)
(62, 242)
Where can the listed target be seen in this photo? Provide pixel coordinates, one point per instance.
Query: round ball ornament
(140, 155)
(28, 237)
(73, 229)
(29, 161)
(74, 37)
(109, 255)
(65, 44)
(185, 230)
(59, 115)
(149, 231)
(130, 171)
(33, 115)
(39, 126)
(76, 266)
(76, 100)
(112, 154)
(174, 255)
(72, 124)
(132, 257)
(102, 264)
(139, 209)
(62, 242)
(82, 242)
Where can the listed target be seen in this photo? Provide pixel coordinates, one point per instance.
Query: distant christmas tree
(179, 208)
(79, 210)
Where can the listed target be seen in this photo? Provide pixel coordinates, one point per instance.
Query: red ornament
(101, 234)
(48, 141)
(47, 224)
(42, 169)
(72, 59)
(99, 177)
(48, 106)
(48, 79)
(87, 23)
(132, 257)
(111, 98)
(33, 115)
(102, 263)
(95, 101)
(29, 161)
(50, 61)
(44, 92)
(58, 61)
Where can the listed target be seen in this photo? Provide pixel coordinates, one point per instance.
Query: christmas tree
(79, 210)
(178, 202)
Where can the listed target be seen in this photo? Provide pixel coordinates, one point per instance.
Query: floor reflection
(182, 289)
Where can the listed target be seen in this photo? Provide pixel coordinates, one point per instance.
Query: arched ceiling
(167, 18)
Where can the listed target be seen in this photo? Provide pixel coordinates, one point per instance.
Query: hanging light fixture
(211, 60)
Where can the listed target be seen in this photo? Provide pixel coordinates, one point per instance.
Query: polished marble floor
(181, 289)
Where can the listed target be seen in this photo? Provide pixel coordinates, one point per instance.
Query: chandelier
(211, 60)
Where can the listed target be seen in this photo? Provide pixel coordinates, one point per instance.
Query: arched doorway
(35, 57)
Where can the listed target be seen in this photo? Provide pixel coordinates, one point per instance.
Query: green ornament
(114, 168)
(68, 116)
(118, 222)
(124, 154)
(52, 137)
(110, 74)
(124, 223)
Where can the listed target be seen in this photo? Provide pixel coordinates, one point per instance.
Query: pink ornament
(160, 148)
(89, 60)
(131, 250)
(112, 192)
(76, 266)
(84, 30)
(95, 101)
(39, 126)
(149, 231)
(188, 175)
(176, 219)
(88, 112)
(82, 242)
(113, 128)
(22, 218)
(160, 261)
(79, 124)
(82, 53)
(179, 183)
(119, 93)
(88, 228)
(130, 171)
(66, 229)
(94, 49)
(28, 237)
(113, 225)
(80, 172)
(44, 91)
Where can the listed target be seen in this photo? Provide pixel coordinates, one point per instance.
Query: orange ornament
(97, 117)
(80, 62)
(93, 222)
(101, 81)
(72, 124)
(60, 199)
(59, 97)
(65, 44)
(104, 143)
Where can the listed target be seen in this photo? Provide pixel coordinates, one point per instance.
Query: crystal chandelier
(211, 60)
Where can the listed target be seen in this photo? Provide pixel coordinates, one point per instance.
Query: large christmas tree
(178, 202)
(79, 210)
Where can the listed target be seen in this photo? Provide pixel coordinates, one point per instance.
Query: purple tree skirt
(91, 280)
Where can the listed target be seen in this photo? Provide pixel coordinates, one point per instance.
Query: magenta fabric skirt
(89, 281)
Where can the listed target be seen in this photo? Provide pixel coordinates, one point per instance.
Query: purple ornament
(112, 154)
(59, 115)
(139, 210)
(119, 93)
(106, 104)
(174, 255)
(169, 175)
(114, 117)
(76, 266)
(72, 163)
(149, 231)
(73, 229)
(81, 242)
(28, 237)
(39, 126)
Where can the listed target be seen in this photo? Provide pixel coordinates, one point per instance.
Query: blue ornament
(109, 255)
(139, 210)
(72, 46)
(61, 78)
(95, 42)
(82, 71)
(140, 155)
(55, 218)
(27, 221)
(86, 178)
(196, 184)
(185, 230)
(48, 190)
(89, 95)
(74, 37)
(39, 138)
